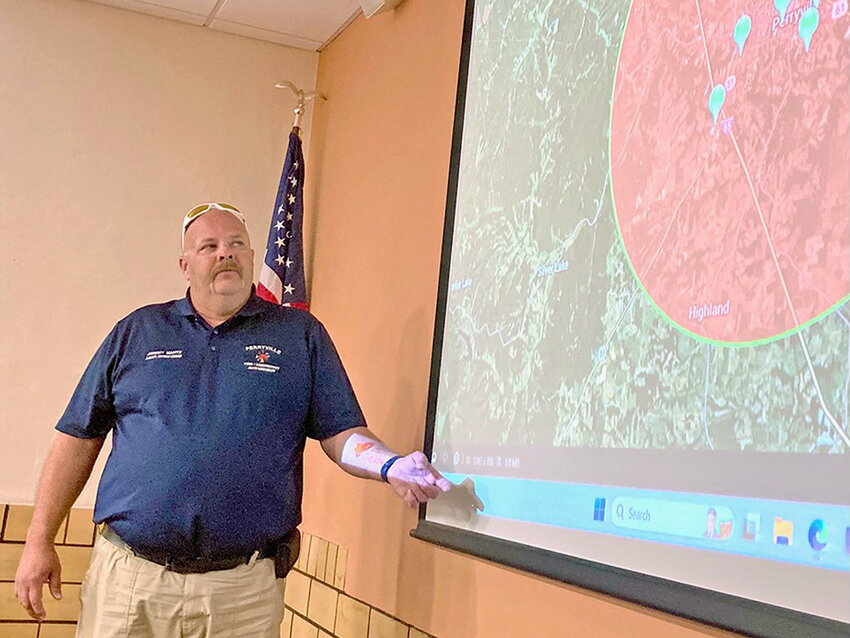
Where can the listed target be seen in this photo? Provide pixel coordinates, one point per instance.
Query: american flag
(282, 274)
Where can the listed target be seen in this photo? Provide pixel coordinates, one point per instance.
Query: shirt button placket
(213, 345)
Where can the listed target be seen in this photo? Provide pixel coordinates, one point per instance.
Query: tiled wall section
(317, 606)
(73, 543)
(316, 603)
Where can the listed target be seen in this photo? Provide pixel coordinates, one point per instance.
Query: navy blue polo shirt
(209, 424)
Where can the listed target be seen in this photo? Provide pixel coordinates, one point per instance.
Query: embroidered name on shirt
(164, 354)
(261, 357)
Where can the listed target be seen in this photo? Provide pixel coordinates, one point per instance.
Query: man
(209, 399)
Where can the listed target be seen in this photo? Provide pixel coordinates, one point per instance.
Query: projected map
(651, 243)
(747, 236)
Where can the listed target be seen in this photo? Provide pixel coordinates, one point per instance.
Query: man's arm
(66, 470)
(361, 453)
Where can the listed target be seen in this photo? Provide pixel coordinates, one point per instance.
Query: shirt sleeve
(91, 412)
(333, 405)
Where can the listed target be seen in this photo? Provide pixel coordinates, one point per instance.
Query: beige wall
(112, 125)
(378, 178)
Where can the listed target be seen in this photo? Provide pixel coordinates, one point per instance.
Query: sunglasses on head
(202, 208)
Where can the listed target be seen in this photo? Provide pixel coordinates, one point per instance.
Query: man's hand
(361, 453)
(39, 564)
(414, 479)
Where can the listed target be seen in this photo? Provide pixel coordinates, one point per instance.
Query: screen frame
(695, 603)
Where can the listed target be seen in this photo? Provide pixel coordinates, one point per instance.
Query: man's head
(217, 258)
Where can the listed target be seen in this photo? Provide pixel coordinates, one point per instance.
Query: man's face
(217, 256)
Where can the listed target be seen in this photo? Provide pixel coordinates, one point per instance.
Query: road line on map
(596, 363)
(847, 380)
(704, 44)
(705, 396)
(637, 114)
(823, 405)
(825, 409)
(766, 231)
(675, 214)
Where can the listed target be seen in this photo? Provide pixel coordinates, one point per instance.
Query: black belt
(188, 565)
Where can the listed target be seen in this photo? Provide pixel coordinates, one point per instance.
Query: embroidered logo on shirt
(164, 354)
(261, 360)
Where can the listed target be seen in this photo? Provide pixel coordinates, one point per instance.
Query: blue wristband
(386, 468)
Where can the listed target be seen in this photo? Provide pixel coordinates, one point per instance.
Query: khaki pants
(123, 595)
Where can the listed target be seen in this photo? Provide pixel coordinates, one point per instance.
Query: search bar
(691, 520)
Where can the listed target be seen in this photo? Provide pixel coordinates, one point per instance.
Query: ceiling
(303, 24)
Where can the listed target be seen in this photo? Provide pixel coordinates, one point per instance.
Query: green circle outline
(664, 315)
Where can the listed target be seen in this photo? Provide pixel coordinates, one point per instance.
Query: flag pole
(299, 107)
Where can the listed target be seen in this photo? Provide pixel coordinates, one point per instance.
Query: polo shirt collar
(253, 306)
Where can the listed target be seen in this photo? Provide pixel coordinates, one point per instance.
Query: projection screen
(641, 357)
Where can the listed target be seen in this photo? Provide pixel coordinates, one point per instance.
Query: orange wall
(376, 181)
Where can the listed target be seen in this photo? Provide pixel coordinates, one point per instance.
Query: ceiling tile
(290, 40)
(192, 11)
(314, 21)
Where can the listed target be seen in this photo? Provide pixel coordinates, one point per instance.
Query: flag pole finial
(302, 98)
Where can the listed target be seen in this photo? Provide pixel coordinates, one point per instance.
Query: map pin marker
(716, 100)
(781, 7)
(808, 26)
(742, 32)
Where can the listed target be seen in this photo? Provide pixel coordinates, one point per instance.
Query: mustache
(225, 265)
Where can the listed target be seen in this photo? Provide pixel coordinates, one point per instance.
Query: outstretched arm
(66, 470)
(361, 453)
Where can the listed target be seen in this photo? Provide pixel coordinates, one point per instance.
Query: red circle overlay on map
(738, 231)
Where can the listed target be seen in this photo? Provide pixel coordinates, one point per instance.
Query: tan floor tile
(322, 608)
(382, 626)
(80, 527)
(303, 629)
(286, 625)
(415, 633)
(352, 618)
(15, 630)
(324, 634)
(330, 565)
(57, 631)
(66, 609)
(297, 592)
(341, 564)
(18, 522)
